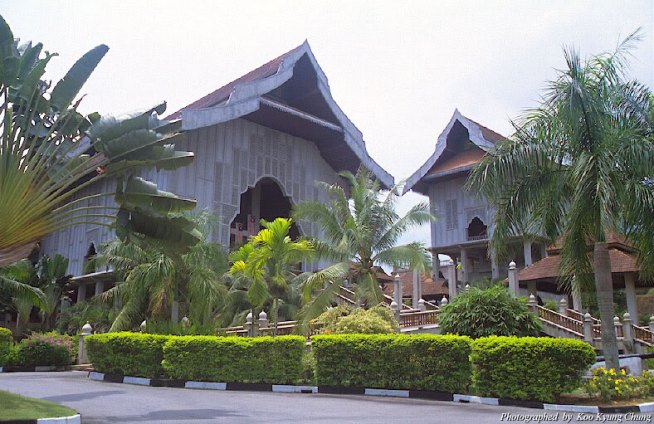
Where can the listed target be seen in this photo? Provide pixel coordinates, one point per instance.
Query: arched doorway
(263, 201)
(477, 230)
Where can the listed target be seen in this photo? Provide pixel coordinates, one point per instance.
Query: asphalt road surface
(101, 402)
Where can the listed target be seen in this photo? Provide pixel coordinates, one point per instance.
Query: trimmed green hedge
(528, 368)
(133, 354)
(235, 359)
(6, 338)
(420, 362)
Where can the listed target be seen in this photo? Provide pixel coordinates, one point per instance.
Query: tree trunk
(604, 288)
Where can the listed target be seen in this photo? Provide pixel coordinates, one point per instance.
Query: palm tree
(269, 263)
(51, 274)
(51, 157)
(155, 282)
(19, 278)
(360, 233)
(579, 167)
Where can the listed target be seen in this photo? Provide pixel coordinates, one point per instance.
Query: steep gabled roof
(245, 96)
(483, 138)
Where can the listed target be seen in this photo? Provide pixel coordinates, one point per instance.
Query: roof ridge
(222, 93)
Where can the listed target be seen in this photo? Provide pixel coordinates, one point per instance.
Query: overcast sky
(397, 69)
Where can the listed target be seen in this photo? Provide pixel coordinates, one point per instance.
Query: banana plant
(54, 160)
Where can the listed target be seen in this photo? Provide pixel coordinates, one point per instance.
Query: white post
(248, 324)
(421, 305)
(81, 292)
(532, 304)
(464, 266)
(630, 291)
(395, 307)
(397, 289)
(416, 289)
(82, 355)
(263, 320)
(451, 280)
(576, 298)
(99, 288)
(495, 270)
(628, 332)
(588, 328)
(563, 307)
(514, 283)
(435, 265)
(174, 313)
(526, 248)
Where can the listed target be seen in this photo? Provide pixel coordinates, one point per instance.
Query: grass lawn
(16, 407)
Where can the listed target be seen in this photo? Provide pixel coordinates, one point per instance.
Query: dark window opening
(263, 201)
(477, 229)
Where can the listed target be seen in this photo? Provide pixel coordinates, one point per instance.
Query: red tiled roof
(548, 268)
(222, 94)
(429, 286)
(463, 159)
(613, 240)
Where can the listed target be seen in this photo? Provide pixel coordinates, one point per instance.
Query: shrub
(44, 350)
(6, 338)
(133, 354)
(493, 311)
(421, 362)
(343, 320)
(611, 384)
(528, 368)
(235, 359)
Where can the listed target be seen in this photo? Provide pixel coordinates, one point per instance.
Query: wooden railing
(561, 320)
(643, 334)
(574, 314)
(416, 319)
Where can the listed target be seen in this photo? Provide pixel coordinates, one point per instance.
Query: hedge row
(419, 362)
(525, 368)
(6, 338)
(134, 354)
(510, 367)
(248, 360)
(199, 358)
(528, 367)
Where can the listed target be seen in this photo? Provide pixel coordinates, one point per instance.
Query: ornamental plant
(610, 384)
(490, 312)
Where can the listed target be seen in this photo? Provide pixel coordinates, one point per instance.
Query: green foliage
(48, 349)
(528, 368)
(178, 329)
(551, 305)
(73, 318)
(235, 359)
(6, 339)
(345, 320)
(51, 153)
(134, 354)
(361, 230)
(479, 313)
(421, 362)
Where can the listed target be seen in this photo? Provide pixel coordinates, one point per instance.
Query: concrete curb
(73, 419)
(48, 368)
(368, 391)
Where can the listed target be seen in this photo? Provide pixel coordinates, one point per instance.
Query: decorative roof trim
(476, 136)
(246, 98)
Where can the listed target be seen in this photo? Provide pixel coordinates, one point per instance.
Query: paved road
(101, 402)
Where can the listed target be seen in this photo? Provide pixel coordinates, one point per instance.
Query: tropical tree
(51, 275)
(269, 262)
(360, 233)
(579, 167)
(153, 283)
(20, 277)
(53, 159)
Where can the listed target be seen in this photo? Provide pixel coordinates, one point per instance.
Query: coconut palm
(53, 159)
(360, 233)
(153, 283)
(579, 167)
(269, 264)
(51, 275)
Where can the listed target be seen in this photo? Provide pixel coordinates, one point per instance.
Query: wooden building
(260, 143)
(464, 223)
